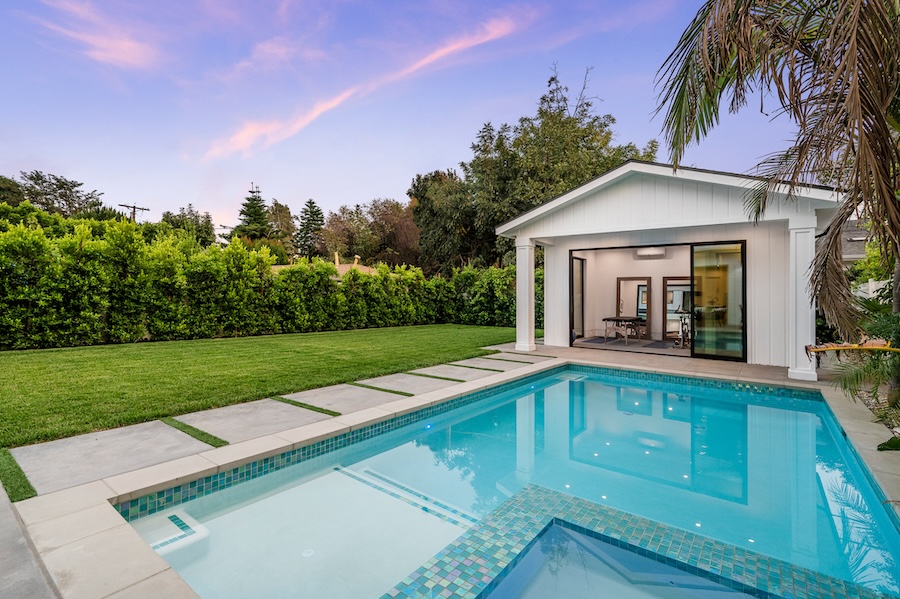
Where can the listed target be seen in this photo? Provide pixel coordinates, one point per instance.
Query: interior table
(627, 325)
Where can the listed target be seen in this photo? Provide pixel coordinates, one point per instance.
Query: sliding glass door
(577, 308)
(719, 301)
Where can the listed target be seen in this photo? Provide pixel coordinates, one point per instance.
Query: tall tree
(308, 235)
(11, 192)
(254, 217)
(397, 234)
(53, 193)
(833, 68)
(349, 232)
(200, 226)
(445, 214)
(282, 225)
(514, 169)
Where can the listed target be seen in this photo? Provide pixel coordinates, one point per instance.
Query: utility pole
(134, 210)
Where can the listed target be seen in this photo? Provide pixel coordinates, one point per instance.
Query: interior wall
(603, 267)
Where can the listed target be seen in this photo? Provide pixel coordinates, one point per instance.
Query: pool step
(176, 531)
(411, 496)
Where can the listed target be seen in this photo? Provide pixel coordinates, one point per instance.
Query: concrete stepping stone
(249, 420)
(68, 462)
(408, 383)
(517, 357)
(490, 364)
(344, 398)
(454, 372)
(22, 577)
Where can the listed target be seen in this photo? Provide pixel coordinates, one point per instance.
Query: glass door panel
(719, 299)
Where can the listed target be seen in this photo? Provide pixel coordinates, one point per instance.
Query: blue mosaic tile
(480, 558)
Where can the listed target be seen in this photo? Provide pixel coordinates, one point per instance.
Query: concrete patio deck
(70, 526)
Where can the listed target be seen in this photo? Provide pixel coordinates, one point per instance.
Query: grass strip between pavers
(382, 389)
(195, 432)
(434, 376)
(306, 406)
(13, 478)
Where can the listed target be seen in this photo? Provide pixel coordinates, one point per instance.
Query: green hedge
(108, 284)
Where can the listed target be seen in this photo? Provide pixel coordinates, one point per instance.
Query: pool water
(565, 564)
(769, 473)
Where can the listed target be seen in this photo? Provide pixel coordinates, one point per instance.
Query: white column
(525, 439)
(557, 422)
(524, 294)
(801, 311)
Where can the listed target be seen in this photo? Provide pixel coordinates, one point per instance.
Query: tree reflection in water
(869, 561)
(480, 450)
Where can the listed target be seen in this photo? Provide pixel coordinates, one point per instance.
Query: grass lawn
(55, 393)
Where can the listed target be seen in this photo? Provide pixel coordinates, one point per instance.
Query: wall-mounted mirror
(677, 320)
(633, 300)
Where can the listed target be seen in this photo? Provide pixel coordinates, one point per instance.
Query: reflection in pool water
(767, 473)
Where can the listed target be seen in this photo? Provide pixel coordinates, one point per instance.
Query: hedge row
(80, 289)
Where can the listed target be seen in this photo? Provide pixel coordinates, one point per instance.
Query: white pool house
(647, 255)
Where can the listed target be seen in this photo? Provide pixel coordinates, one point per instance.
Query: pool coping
(78, 532)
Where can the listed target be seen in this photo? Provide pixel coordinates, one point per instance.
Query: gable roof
(822, 193)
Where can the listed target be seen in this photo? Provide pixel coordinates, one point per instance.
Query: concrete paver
(68, 462)
(454, 372)
(250, 420)
(103, 563)
(20, 575)
(518, 357)
(502, 365)
(408, 383)
(344, 398)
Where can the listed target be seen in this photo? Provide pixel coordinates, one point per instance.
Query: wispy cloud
(255, 135)
(490, 31)
(105, 40)
(270, 55)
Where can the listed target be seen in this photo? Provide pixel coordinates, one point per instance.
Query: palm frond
(834, 70)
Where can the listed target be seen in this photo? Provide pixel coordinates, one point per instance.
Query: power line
(134, 210)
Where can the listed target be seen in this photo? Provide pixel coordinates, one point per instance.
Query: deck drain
(307, 553)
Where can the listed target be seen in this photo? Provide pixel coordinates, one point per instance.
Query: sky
(171, 102)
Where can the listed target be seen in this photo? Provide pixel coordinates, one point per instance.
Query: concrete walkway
(88, 458)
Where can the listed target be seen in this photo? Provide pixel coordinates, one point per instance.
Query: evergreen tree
(254, 217)
(308, 238)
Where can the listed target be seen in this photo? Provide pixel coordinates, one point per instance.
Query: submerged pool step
(408, 495)
(174, 531)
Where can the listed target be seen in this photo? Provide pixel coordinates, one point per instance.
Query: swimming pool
(736, 481)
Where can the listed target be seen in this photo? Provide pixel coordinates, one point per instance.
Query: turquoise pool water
(763, 473)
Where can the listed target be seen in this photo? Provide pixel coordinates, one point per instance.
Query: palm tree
(833, 68)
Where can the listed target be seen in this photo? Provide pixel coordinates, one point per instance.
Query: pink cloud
(272, 54)
(106, 41)
(490, 31)
(266, 133)
(262, 134)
